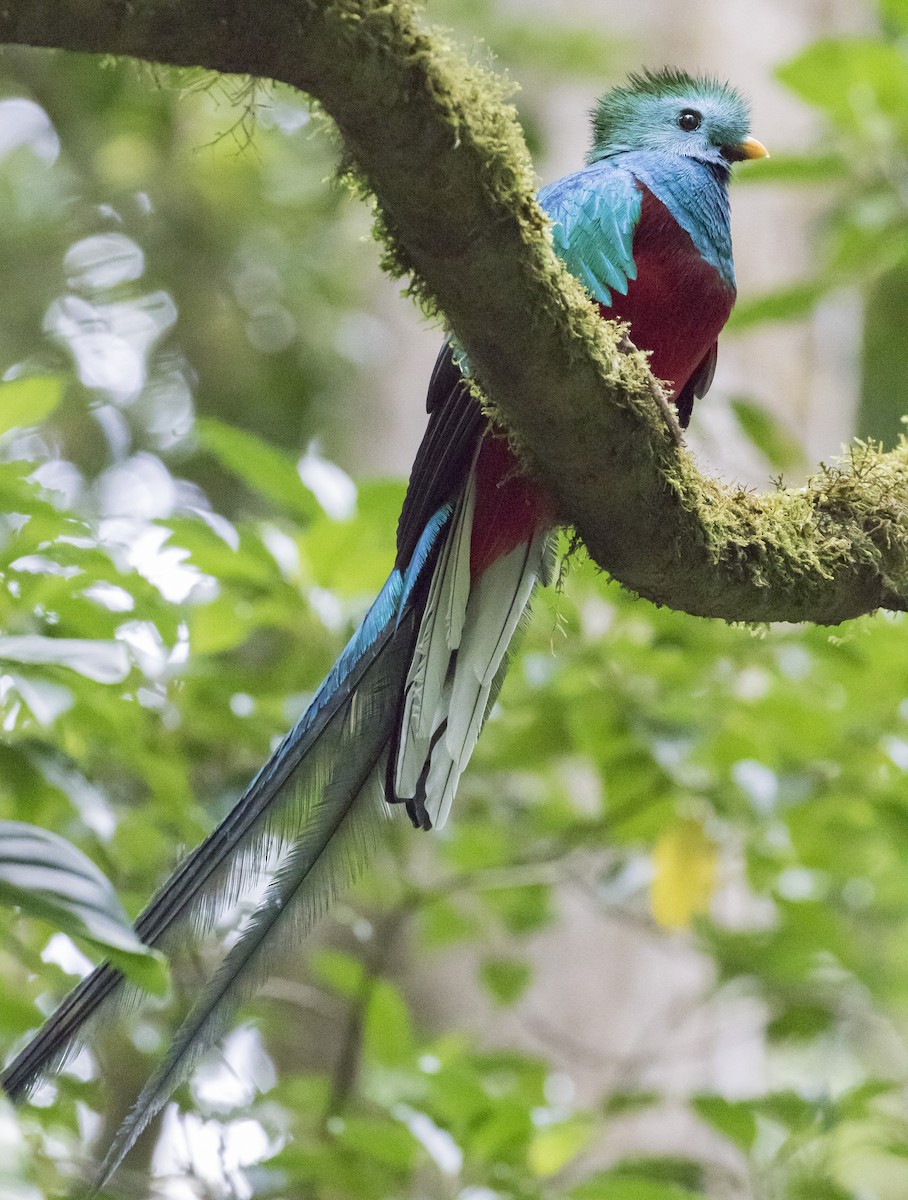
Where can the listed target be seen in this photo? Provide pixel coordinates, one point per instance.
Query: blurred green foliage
(859, 87)
(45, 876)
(171, 591)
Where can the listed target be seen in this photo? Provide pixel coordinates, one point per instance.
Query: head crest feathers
(614, 105)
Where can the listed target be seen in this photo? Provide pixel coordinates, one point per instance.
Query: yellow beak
(751, 148)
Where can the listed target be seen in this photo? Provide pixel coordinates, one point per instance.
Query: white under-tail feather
(439, 636)
(466, 628)
(497, 602)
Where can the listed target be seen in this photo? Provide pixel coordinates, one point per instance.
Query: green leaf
(504, 1134)
(477, 847)
(895, 14)
(28, 401)
(555, 1146)
(618, 1185)
(733, 1118)
(664, 1169)
(851, 79)
(623, 1102)
(505, 979)
(785, 304)
(443, 923)
(854, 1105)
(385, 1141)
(522, 909)
(795, 168)
(341, 972)
(789, 1109)
(819, 1187)
(265, 469)
(801, 1021)
(775, 443)
(557, 49)
(387, 1034)
(352, 556)
(884, 359)
(47, 877)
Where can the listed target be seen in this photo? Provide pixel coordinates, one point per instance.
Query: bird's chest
(678, 303)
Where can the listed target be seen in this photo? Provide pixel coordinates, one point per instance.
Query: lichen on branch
(434, 138)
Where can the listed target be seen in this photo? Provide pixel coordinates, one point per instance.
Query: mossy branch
(436, 142)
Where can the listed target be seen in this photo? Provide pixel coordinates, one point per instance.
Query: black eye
(689, 120)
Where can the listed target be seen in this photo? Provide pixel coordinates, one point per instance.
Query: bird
(645, 226)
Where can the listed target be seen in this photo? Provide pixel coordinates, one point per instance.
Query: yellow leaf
(555, 1146)
(684, 881)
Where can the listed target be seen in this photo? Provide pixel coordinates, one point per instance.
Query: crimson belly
(510, 507)
(678, 303)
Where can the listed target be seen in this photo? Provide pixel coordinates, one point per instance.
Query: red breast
(678, 303)
(676, 308)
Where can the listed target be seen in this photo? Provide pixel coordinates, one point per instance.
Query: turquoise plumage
(593, 226)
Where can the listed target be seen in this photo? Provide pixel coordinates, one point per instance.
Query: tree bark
(433, 138)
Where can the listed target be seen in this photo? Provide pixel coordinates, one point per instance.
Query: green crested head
(694, 116)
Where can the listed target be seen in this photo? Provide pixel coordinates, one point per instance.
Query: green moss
(849, 516)
(410, 107)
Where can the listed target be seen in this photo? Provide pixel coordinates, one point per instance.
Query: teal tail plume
(396, 720)
(318, 798)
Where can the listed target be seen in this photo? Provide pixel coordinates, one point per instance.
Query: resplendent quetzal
(645, 227)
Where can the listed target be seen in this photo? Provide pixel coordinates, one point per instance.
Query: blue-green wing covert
(594, 214)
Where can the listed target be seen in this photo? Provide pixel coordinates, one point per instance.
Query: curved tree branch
(434, 139)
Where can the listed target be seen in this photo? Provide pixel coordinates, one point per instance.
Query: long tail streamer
(309, 796)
